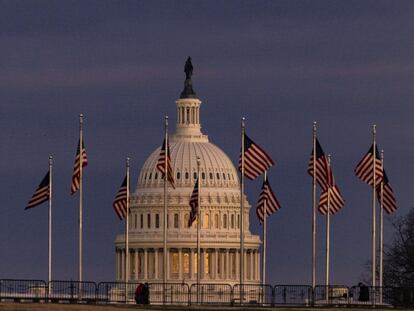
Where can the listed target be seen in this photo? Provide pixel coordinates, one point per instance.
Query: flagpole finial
(242, 121)
(382, 154)
(50, 159)
(127, 161)
(166, 120)
(374, 129)
(329, 158)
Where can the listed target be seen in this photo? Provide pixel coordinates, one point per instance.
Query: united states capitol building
(220, 212)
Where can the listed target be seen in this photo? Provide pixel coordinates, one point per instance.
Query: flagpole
(242, 214)
(165, 205)
(314, 210)
(264, 235)
(328, 225)
(127, 233)
(80, 193)
(198, 232)
(50, 223)
(374, 131)
(264, 242)
(381, 228)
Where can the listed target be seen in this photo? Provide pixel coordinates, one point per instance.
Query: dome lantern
(188, 109)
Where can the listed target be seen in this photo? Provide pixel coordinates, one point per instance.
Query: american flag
(120, 202)
(389, 203)
(256, 160)
(266, 197)
(335, 200)
(161, 164)
(41, 194)
(365, 171)
(322, 168)
(80, 159)
(193, 205)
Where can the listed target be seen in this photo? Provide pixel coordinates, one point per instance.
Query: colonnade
(217, 264)
(188, 115)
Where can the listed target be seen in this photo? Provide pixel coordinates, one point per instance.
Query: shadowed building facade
(220, 212)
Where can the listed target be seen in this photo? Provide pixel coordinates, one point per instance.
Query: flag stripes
(161, 164)
(323, 174)
(335, 199)
(365, 168)
(193, 205)
(120, 201)
(256, 160)
(266, 197)
(80, 159)
(389, 203)
(42, 192)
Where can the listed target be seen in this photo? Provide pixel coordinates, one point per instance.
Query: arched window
(186, 262)
(207, 263)
(150, 175)
(157, 220)
(156, 175)
(186, 175)
(218, 176)
(149, 221)
(216, 221)
(232, 221)
(186, 217)
(178, 175)
(135, 221)
(206, 221)
(176, 223)
(195, 175)
(203, 175)
(224, 176)
(141, 220)
(225, 221)
(211, 175)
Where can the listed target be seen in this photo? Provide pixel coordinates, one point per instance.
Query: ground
(75, 307)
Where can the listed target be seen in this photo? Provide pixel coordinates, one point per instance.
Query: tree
(399, 255)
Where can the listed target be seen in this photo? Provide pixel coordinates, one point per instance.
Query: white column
(226, 262)
(135, 259)
(145, 264)
(245, 263)
(202, 263)
(252, 266)
(223, 265)
(237, 263)
(122, 264)
(168, 264)
(118, 260)
(180, 264)
(155, 264)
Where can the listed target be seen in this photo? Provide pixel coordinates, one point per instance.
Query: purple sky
(282, 64)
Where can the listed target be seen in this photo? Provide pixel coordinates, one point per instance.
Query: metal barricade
(114, 292)
(72, 291)
(253, 294)
(292, 295)
(331, 295)
(23, 290)
(220, 294)
(175, 293)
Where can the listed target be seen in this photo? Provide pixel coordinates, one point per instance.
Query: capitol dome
(219, 212)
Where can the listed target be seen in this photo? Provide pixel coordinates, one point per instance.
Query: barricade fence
(203, 294)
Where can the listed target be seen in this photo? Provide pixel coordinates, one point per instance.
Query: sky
(281, 64)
